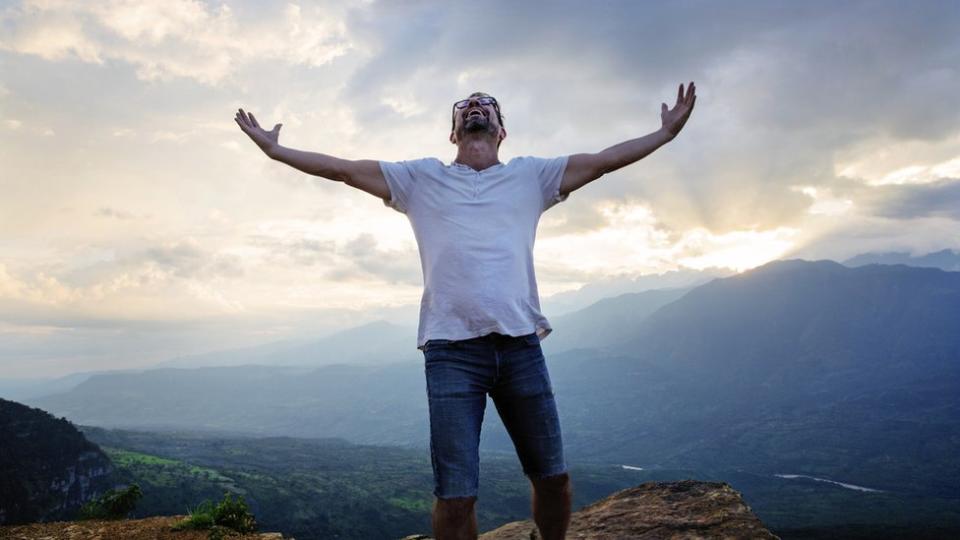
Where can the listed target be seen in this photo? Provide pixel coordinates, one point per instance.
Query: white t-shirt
(475, 231)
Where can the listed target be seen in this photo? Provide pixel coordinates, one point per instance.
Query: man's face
(476, 118)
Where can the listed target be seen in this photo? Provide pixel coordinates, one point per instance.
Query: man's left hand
(674, 119)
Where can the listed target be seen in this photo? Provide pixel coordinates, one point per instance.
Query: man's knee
(456, 504)
(552, 484)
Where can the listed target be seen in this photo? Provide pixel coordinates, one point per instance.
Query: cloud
(776, 102)
(361, 258)
(820, 129)
(880, 161)
(824, 201)
(296, 250)
(368, 260)
(106, 211)
(635, 242)
(187, 260)
(141, 283)
(935, 199)
(166, 39)
(588, 216)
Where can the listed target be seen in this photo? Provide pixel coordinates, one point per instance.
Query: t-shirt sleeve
(550, 172)
(400, 179)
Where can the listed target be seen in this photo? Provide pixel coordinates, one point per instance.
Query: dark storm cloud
(936, 199)
(782, 86)
(549, 45)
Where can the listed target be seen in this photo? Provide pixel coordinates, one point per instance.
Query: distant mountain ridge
(945, 259)
(373, 343)
(607, 321)
(567, 302)
(756, 370)
(781, 360)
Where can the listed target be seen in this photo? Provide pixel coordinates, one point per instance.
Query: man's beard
(477, 124)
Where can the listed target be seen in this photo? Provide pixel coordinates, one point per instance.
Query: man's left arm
(584, 168)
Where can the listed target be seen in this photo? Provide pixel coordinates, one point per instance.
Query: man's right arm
(363, 174)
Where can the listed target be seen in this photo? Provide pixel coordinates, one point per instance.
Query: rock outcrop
(686, 509)
(683, 509)
(153, 528)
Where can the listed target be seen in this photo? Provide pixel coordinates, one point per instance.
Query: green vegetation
(320, 488)
(226, 516)
(114, 504)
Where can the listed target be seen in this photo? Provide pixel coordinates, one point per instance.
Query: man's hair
(496, 107)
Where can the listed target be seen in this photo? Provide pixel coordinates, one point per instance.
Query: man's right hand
(268, 141)
(363, 174)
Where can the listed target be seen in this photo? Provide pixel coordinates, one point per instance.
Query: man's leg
(459, 375)
(455, 519)
(551, 505)
(524, 398)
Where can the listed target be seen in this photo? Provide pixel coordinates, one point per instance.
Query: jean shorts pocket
(531, 339)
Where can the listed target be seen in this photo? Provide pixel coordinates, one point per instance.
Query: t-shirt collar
(469, 168)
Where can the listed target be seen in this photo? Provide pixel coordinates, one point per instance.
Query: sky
(137, 222)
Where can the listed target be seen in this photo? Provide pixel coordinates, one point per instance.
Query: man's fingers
(244, 118)
(680, 94)
(243, 127)
(247, 118)
(254, 120)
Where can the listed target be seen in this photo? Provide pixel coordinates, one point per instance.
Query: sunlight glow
(739, 250)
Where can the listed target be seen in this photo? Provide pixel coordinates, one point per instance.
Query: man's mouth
(474, 113)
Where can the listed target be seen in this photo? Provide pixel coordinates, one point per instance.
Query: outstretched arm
(585, 168)
(363, 174)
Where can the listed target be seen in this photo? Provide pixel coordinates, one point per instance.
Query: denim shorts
(512, 370)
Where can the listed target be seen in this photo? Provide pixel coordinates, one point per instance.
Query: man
(480, 326)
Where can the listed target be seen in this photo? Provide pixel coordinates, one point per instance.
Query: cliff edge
(48, 469)
(684, 509)
(152, 528)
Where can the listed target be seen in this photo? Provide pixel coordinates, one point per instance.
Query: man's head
(478, 114)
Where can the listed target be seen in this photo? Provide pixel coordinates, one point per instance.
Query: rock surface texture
(686, 509)
(153, 528)
(683, 509)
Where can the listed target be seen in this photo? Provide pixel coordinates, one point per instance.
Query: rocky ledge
(153, 528)
(684, 509)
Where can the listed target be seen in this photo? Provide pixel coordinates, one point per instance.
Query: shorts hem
(540, 476)
(457, 496)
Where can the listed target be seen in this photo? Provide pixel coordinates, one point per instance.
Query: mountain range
(795, 367)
